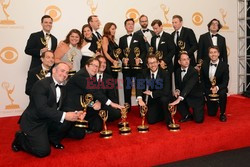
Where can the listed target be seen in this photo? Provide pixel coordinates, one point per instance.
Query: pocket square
(162, 42)
(135, 41)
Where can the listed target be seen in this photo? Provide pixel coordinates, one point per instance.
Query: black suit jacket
(159, 88)
(187, 35)
(205, 42)
(167, 46)
(80, 85)
(136, 41)
(42, 108)
(189, 86)
(221, 74)
(109, 88)
(34, 45)
(32, 78)
(148, 43)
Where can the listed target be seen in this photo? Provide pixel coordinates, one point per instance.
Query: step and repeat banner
(18, 19)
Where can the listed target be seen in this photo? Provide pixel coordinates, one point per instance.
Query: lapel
(182, 33)
(132, 40)
(161, 39)
(218, 69)
(209, 39)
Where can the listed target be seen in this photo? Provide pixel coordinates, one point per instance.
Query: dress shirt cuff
(63, 117)
(139, 97)
(108, 102)
(182, 98)
(151, 94)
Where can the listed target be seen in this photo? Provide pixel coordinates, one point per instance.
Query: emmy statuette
(105, 133)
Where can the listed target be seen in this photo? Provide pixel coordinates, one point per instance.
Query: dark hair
(214, 47)
(79, 44)
(177, 17)
(127, 20)
(84, 26)
(142, 16)
(182, 53)
(90, 18)
(46, 16)
(156, 21)
(106, 31)
(152, 56)
(100, 56)
(44, 53)
(210, 23)
(89, 61)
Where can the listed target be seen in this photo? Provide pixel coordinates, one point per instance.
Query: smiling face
(47, 24)
(129, 26)
(184, 60)
(48, 60)
(153, 64)
(74, 39)
(93, 67)
(214, 54)
(87, 33)
(144, 22)
(112, 30)
(60, 72)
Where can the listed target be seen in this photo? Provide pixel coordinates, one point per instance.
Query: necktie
(153, 76)
(100, 78)
(157, 36)
(211, 64)
(178, 36)
(98, 35)
(214, 35)
(145, 30)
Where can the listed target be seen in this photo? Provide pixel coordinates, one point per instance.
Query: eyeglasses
(154, 62)
(96, 66)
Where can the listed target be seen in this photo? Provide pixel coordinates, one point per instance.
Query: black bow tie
(183, 70)
(47, 34)
(211, 64)
(145, 30)
(129, 35)
(214, 35)
(157, 36)
(57, 85)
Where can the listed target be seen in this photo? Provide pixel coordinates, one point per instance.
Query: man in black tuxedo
(82, 83)
(94, 23)
(43, 122)
(153, 90)
(40, 72)
(188, 91)
(164, 43)
(212, 38)
(220, 70)
(40, 42)
(187, 36)
(146, 33)
(108, 87)
(131, 41)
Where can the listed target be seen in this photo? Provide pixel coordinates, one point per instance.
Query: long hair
(79, 44)
(106, 30)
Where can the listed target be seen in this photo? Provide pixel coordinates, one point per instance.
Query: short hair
(177, 17)
(90, 18)
(156, 21)
(84, 26)
(46, 16)
(152, 56)
(214, 47)
(210, 23)
(44, 53)
(62, 62)
(142, 16)
(89, 61)
(127, 20)
(67, 41)
(182, 53)
(100, 56)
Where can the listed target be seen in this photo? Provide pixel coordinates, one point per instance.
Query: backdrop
(18, 19)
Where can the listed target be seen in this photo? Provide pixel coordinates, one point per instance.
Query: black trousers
(196, 103)
(158, 110)
(212, 106)
(38, 141)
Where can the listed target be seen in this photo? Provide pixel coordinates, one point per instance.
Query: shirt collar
(155, 73)
(217, 62)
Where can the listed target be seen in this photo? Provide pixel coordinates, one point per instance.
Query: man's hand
(44, 49)
(177, 101)
(97, 105)
(141, 102)
(147, 92)
(116, 106)
(115, 63)
(72, 116)
(81, 115)
(214, 89)
(125, 61)
(177, 93)
(137, 61)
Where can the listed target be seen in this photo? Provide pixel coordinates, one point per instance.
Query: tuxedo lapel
(209, 39)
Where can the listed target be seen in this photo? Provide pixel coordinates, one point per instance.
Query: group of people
(60, 75)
